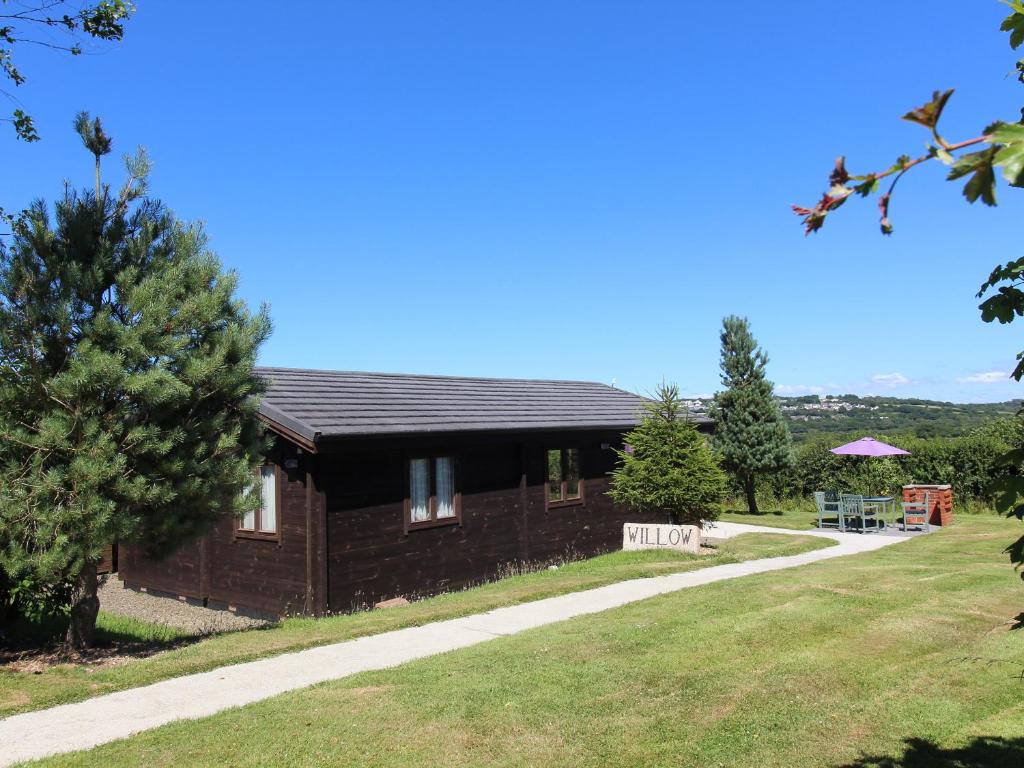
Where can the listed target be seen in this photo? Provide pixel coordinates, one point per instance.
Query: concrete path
(114, 716)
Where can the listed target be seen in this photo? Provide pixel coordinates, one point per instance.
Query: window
(432, 498)
(262, 523)
(564, 483)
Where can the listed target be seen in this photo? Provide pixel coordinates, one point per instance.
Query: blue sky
(564, 189)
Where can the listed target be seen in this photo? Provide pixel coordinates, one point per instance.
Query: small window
(432, 495)
(564, 484)
(262, 522)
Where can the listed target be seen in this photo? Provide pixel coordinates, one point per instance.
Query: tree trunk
(85, 605)
(748, 487)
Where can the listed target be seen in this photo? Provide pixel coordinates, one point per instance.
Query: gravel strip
(188, 617)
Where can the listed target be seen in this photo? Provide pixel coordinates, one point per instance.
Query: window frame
(563, 501)
(433, 521)
(256, 532)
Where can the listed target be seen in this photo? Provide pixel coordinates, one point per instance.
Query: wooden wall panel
(372, 558)
(249, 573)
(176, 575)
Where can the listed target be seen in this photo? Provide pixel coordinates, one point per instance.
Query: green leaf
(1006, 133)
(983, 185)
(1018, 372)
(1014, 23)
(868, 186)
(983, 181)
(1006, 305)
(1011, 159)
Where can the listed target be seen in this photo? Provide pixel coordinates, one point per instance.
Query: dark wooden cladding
(108, 560)
(371, 555)
(260, 574)
(505, 517)
(345, 542)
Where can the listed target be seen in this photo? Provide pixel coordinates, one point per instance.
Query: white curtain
(248, 522)
(445, 487)
(419, 490)
(268, 499)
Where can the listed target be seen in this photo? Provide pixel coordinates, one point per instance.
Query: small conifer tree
(667, 466)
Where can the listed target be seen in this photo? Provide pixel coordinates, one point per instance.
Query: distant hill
(811, 415)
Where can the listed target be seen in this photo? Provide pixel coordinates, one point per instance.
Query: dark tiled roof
(345, 403)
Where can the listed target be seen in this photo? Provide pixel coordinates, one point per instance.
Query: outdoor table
(886, 503)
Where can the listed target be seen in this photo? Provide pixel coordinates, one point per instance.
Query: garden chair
(917, 509)
(828, 506)
(855, 509)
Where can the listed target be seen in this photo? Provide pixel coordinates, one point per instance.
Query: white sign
(683, 538)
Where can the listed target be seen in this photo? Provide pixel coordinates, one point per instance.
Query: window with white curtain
(432, 494)
(264, 519)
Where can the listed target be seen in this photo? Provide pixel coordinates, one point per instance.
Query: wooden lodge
(382, 485)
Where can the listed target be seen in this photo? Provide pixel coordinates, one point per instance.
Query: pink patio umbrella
(868, 446)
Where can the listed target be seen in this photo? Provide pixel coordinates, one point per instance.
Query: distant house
(383, 485)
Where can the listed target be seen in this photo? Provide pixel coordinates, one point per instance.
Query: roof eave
(402, 433)
(299, 432)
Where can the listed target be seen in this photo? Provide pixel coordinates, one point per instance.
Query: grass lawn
(112, 627)
(21, 691)
(906, 656)
(789, 517)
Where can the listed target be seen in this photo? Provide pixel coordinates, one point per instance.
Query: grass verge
(58, 684)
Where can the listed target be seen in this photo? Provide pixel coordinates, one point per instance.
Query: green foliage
(41, 22)
(668, 466)
(29, 599)
(128, 401)
(971, 464)
(751, 436)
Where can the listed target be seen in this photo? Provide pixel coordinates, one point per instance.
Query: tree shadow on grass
(34, 645)
(981, 752)
(759, 513)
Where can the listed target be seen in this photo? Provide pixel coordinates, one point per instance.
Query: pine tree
(668, 466)
(750, 435)
(128, 401)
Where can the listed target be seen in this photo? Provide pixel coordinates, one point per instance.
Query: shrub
(668, 466)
